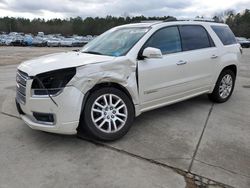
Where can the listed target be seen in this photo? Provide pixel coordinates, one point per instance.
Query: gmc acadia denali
(125, 71)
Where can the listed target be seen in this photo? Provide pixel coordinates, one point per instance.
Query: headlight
(52, 82)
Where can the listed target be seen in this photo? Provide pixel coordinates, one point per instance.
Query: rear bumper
(66, 115)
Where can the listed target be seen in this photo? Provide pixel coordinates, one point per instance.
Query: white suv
(127, 70)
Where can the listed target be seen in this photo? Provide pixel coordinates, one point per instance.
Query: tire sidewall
(90, 127)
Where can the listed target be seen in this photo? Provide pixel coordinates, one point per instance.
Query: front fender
(121, 72)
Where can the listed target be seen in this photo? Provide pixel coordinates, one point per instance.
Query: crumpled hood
(59, 61)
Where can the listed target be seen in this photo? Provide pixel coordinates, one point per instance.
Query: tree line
(79, 26)
(239, 23)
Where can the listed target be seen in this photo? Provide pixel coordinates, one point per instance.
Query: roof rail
(150, 21)
(191, 19)
(203, 19)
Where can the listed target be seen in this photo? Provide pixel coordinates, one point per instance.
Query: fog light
(43, 117)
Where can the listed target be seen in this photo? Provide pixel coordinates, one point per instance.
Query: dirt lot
(175, 146)
(15, 55)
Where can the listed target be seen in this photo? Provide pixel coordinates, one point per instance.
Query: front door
(162, 79)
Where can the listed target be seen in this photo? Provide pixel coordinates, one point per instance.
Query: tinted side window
(194, 37)
(166, 39)
(225, 34)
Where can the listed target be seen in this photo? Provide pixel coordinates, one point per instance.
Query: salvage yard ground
(167, 147)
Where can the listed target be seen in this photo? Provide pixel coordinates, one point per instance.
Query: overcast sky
(71, 8)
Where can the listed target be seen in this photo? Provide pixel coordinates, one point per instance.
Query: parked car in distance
(53, 42)
(245, 43)
(40, 34)
(79, 41)
(124, 72)
(66, 42)
(2, 39)
(8, 40)
(39, 41)
(27, 40)
(17, 40)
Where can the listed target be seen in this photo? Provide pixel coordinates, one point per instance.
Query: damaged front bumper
(39, 112)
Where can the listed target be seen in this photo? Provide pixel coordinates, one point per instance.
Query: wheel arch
(232, 67)
(102, 85)
(107, 84)
(111, 84)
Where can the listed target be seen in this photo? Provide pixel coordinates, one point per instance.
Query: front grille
(21, 79)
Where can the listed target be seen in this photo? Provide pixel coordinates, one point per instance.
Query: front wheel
(224, 87)
(108, 114)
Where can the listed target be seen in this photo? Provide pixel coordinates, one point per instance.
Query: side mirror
(150, 52)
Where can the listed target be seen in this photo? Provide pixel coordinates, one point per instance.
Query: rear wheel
(108, 114)
(224, 87)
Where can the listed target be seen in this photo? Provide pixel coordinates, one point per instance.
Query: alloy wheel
(226, 85)
(109, 113)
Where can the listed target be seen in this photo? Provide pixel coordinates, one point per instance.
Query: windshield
(115, 42)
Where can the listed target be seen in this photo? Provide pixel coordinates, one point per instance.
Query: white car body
(151, 83)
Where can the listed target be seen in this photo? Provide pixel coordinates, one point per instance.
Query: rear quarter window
(225, 34)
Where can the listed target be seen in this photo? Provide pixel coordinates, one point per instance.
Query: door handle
(181, 62)
(214, 56)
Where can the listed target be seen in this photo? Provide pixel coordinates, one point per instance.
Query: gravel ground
(155, 153)
(15, 55)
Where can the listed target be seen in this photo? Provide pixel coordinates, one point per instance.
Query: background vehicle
(2, 39)
(27, 40)
(53, 42)
(245, 43)
(124, 72)
(17, 40)
(39, 41)
(66, 42)
(8, 40)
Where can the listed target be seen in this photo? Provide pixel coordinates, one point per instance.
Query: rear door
(201, 57)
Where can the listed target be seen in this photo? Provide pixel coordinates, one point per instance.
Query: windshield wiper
(92, 52)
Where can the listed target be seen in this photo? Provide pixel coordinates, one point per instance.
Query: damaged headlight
(52, 83)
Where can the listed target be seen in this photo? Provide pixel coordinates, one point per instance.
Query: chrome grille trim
(21, 89)
(21, 79)
(20, 98)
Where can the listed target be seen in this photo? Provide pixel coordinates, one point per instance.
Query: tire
(110, 124)
(216, 95)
